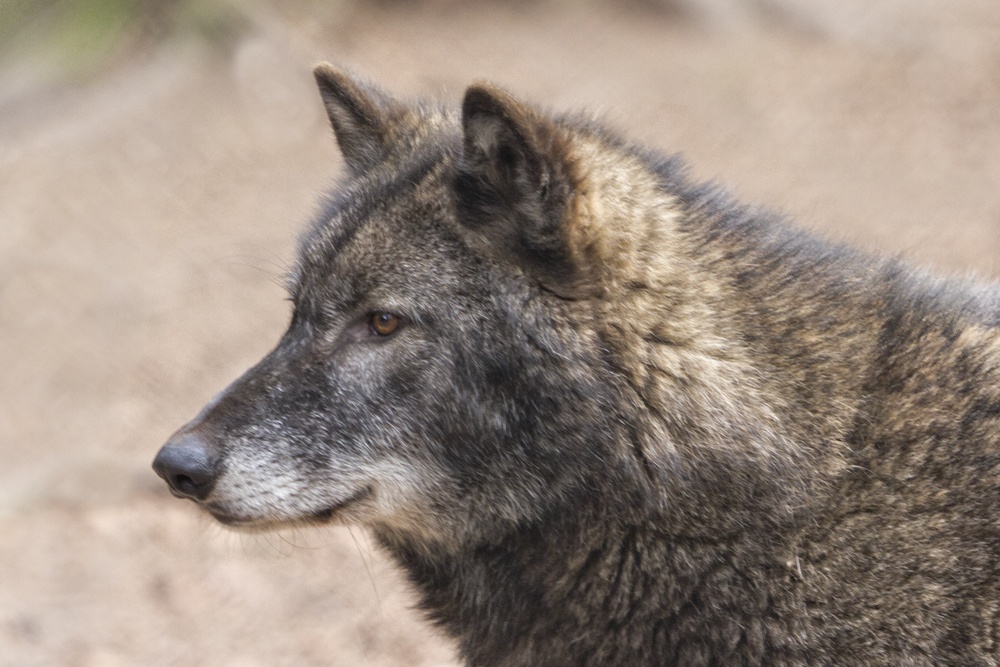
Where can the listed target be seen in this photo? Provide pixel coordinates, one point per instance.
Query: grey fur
(624, 420)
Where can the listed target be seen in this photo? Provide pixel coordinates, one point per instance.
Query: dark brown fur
(625, 420)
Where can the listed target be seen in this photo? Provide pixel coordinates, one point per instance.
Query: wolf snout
(187, 465)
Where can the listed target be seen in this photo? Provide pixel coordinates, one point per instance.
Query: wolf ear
(514, 183)
(362, 116)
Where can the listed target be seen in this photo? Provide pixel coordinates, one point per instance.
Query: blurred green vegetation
(74, 39)
(77, 37)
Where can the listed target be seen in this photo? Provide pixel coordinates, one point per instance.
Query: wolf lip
(322, 516)
(229, 519)
(328, 513)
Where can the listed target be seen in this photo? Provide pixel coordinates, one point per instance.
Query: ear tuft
(513, 184)
(361, 116)
(500, 143)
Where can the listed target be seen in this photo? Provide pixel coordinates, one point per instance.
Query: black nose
(186, 464)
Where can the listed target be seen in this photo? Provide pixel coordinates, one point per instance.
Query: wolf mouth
(325, 515)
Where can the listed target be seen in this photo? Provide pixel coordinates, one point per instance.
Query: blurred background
(158, 158)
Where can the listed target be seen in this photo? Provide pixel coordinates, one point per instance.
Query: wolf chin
(602, 415)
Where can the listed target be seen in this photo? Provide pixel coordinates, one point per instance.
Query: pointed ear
(363, 117)
(514, 184)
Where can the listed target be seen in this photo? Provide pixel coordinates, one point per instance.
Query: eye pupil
(384, 324)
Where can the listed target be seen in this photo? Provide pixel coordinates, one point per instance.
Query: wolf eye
(383, 324)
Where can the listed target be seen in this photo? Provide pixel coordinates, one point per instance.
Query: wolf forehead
(377, 226)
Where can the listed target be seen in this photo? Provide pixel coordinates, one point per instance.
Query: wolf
(603, 415)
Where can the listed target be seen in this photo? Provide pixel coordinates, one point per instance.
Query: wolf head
(495, 318)
(430, 380)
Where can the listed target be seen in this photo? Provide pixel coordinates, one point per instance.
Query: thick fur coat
(604, 416)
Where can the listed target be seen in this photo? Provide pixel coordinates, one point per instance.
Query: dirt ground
(147, 214)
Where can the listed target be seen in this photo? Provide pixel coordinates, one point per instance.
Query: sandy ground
(147, 215)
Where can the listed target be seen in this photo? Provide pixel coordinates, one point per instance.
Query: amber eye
(383, 324)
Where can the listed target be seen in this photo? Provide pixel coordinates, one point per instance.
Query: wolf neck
(742, 345)
(587, 589)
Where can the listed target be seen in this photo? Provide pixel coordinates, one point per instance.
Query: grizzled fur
(622, 420)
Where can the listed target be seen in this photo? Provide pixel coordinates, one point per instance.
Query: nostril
(185, 484)
(187, 465)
